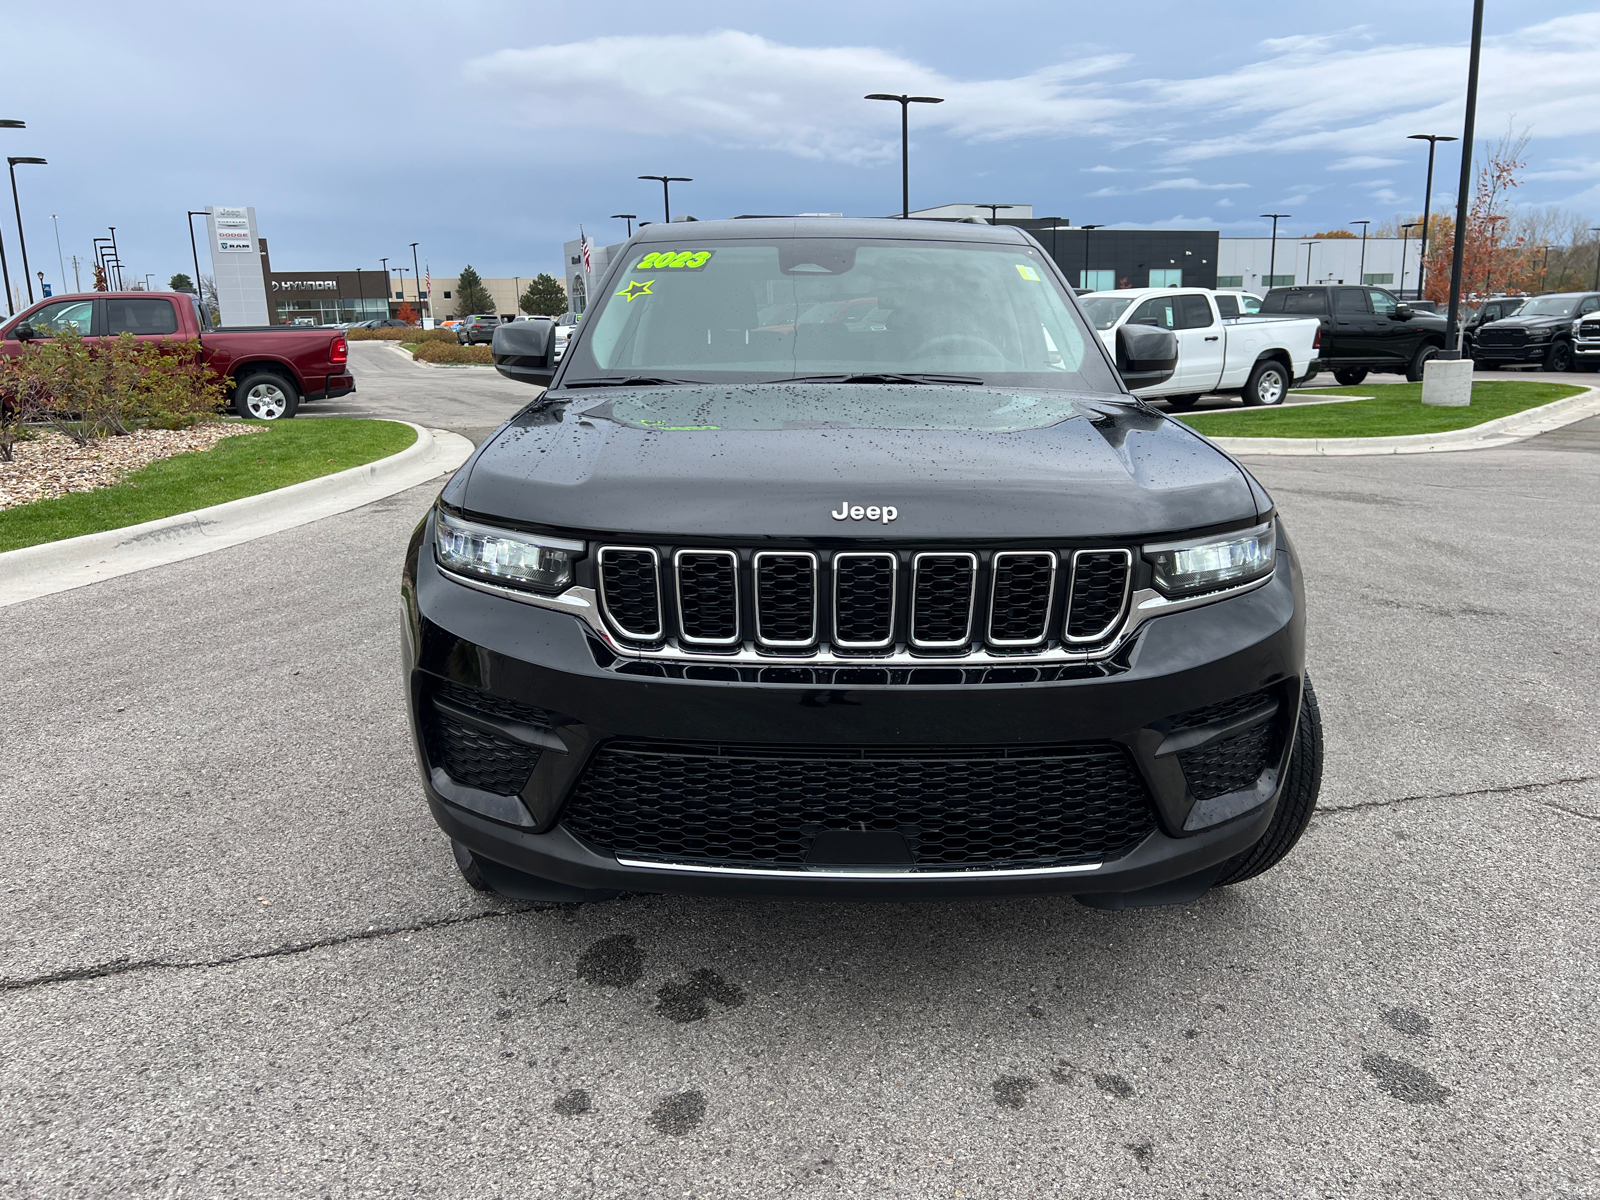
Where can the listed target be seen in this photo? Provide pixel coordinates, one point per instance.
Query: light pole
(5, 271)
(1596, 229)
(1086, 267)
(1309, 246)
(199, 294)
(388, 289)
(905, 103)
(666, 195)
(416, 277)
(1433, 140)
(60, 261)
(17, 205)
(361, 291)
(630, 218)
(1405, 236)
(1452, 328)
(1492, 248)
(1362, 269)
(1272, 258)
(994, 209)
(116, 255)
(1544, 271)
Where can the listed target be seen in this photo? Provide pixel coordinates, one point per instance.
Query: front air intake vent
(1019, 607)
(864, 600)
(708, 597)
(786, 599)
(630, 591)
(943, 591)
(1099, 594)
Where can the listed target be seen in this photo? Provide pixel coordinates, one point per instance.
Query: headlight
(1538, 335)
(504, 555)
(1188, 568)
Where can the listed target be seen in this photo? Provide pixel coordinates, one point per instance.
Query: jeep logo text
(872, 512)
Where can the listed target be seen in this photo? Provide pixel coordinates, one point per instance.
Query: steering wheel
(955, 343)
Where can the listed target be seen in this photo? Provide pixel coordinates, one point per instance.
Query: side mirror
(1146, 356)
(524, 351)
(1403, 312)
(25, 332)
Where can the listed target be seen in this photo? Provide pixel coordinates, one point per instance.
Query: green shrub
(411, 334)
(440, 352)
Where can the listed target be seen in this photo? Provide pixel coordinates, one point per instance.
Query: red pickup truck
(274, 367)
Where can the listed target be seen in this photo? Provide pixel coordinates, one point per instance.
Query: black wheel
(1295, 805)
(1559, 357)
(265, 397)
(1350, 376)
(1419, 361)
(1181, 402)
(467, 864)
(1268, 384)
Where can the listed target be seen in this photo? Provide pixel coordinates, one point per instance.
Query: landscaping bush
(411, 334)
(451, 352)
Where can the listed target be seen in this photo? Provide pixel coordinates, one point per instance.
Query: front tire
(265, 397)
(1268, 384)
(467, 864)
(1350, 376)
(1302, 782)
(1419, 363)
(1559, 357)
(1181, 403)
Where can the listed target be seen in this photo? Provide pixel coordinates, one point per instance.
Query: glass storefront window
(1100, 281)
(331, 310)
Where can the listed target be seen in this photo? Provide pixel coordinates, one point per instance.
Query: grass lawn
(287, 452)
(1395, 408)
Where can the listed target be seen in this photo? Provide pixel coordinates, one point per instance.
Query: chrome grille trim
(894, 596)
(994, 592)
(779, 643)
(683, 632)
(1122, 608)
(809, 872)
(972, 599)
(655, 567)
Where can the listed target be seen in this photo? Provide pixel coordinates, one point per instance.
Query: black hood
(1105, 470)
(1537, 322)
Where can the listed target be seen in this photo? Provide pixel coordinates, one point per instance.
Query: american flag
(583, 241)
(427, 281)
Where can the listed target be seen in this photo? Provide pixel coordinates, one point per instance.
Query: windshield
(1550, 306)
(770, 310)
(1103, 311)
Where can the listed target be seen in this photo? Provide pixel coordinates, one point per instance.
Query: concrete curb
(76, 562)
(1503, 431)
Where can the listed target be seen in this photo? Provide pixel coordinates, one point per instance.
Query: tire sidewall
(263, 379)
(1559, 357)
(1419, 363)
(1252, 387)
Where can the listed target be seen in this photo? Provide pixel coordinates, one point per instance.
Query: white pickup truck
(1258, 358)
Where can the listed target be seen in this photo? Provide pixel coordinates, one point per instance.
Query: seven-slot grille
(862, 602)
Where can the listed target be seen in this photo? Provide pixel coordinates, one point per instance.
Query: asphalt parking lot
(238, 961)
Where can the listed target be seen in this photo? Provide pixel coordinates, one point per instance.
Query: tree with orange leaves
(406, 313)
(1492, 260)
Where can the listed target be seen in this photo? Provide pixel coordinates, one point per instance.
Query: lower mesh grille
(1099, 587)
(477, 758)
(1230, 764)
(1224, 710)
(957, 809)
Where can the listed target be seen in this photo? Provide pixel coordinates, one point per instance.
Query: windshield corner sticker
(871, 512)
(636, 288)
(1027, 272)
(674, 260)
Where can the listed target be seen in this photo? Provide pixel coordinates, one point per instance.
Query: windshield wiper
(881, 377)
(630, 381)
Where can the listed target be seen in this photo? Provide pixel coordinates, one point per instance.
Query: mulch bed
(51, 465)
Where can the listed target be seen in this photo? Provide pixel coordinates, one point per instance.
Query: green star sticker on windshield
(638, 287)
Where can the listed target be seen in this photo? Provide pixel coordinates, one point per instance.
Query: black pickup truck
(1543, 331)
(1363, 329)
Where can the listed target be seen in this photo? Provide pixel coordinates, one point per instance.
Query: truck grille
(957, 808)
(1589, 329)
(1502, 337)
(937, 602)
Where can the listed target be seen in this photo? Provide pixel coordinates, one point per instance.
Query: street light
(199, 294)
(1433, 140)
(1086, 267)
(1488, 272)
(1596, 229)
(1309, 246)
(666, 195)
(630, 218)
(1272, 259)
(5, 271)
(416, 277)
(17, 205)
(116, 255)
(1362, 269)
(1452, 328)
(60, 260)
(1405, 236)
(994, 209)
(388, 289)
(905, 103)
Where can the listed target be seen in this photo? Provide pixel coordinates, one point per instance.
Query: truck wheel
(1350, 376)
(1419, 361)
(1268, 384)
(1180, 403)
(265, 397)
(1558, 357)
(1302, 782)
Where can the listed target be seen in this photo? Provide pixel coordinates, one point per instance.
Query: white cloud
(1225, 203)
(1105, 170)
(1569, 168)
(1192, 185)
(1363, 162)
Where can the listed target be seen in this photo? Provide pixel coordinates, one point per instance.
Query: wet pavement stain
(1113, 1085)
(1404, 1081)
(679, 1114)
(575, 1103)
(1407, 1020)
(614, 961)
(1011, 1091)
(686, 1002)
(1143, 1151)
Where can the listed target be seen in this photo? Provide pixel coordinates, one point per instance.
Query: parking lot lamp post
(905, 103)
(1494, 245)
(1433, 140)
(1309, 247)
(666, 194)
(630, 218)
(1086, 268)
(21, 240)
(994, 209)
(60, 259)
(1452, 326)
(1405, 237)
(1596, 230)
(116, 255)
(1272, 256)
(416, 276)
(388, 289)
(1362, 269)
(195, 251)
(5, 271)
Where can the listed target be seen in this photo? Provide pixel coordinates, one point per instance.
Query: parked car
(566, 326)
(1363, 329)
(1258, 359)
(1234, 302)
(1586, 341)
(274, 367)
(937, 609)
(477, 330)
(1490, 310)
(1544, 331)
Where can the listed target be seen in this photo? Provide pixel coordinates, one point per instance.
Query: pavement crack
(1571, 812)
(1506, 790)
(128, 966)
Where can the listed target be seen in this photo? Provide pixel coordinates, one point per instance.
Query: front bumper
(1532, 352)
(536, 657)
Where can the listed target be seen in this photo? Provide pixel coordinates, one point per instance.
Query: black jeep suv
(1363, 329)
(1542, 331)
(916, 603)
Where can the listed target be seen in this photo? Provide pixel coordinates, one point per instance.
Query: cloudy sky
(488, 131)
